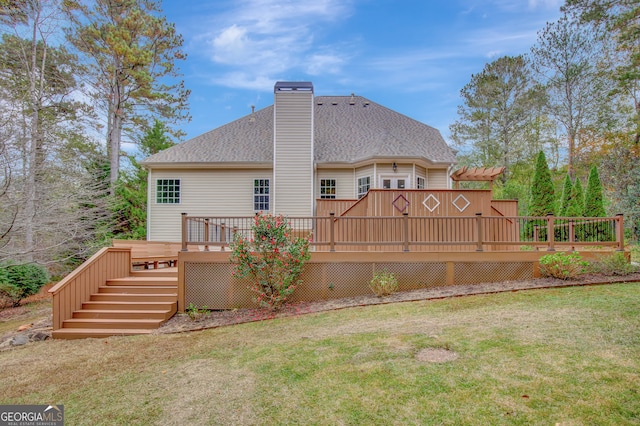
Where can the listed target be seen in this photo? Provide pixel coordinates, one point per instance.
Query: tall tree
(565, 198)
(568, 57)
(131, 53)
(130, 204)
(621, 172)
(575, 207)
(44, 193)
(593, 198)
(497, 107)
(542, 192)
(622, 19)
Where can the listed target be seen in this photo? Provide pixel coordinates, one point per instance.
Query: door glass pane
(400, 183)
(386, 184)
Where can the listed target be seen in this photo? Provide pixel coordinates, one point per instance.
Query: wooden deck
(134, 288)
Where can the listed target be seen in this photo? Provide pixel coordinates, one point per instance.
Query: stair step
(106, 323)
(83, 333)
(127, 305)
(124, 314)
(143, 281)
(118, 297)
(136, 289)
(162, 272)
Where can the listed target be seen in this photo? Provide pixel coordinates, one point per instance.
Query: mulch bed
(182, 322)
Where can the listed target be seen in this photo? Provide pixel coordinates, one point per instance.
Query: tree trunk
(115, 130)
(32, 148)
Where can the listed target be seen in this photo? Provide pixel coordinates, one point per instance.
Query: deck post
(480, 232)
(405, 230)
(572, 233)
(185, 230)
(620, 233)
(332, 242)
(550, 233)
(223, 236)
(206, 233)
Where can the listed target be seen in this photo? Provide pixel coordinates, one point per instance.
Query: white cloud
(261, 39)
(244, 80)
(318, 64)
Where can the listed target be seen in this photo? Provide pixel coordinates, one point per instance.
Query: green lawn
(564, 356)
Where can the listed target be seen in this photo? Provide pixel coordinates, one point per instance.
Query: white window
(364, 184)
(168, 191)
(261, 195)
(328, 188)
(420, 183)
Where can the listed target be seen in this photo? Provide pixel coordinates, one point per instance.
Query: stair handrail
(77, 287)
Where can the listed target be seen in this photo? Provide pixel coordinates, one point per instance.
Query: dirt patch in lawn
(181, 322)
(436, 355)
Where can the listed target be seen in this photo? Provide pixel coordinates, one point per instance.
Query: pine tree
(542, 193)
(130, 203)
(594, 207)
(593, 200)
(565, 200)
(131, 53)
(575, 208)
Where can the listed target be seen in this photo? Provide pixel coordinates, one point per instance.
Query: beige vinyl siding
(387, 169)
(292, 188)
(420, 172)
(345, 184)
(364, 172)
(437, 179)
(203, 193)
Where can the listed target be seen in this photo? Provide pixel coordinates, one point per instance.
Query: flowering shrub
(273, 259)
(562, 265)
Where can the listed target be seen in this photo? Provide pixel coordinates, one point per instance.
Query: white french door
(394, 182)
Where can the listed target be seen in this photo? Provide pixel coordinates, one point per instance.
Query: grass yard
(566, 356)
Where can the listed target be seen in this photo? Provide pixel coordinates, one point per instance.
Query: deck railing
(405, 233)
(77, 287)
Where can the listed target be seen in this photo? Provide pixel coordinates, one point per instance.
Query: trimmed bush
(562, 265)
(20, 281)
(384, 283)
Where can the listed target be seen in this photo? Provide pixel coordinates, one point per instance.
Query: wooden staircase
(125, 306)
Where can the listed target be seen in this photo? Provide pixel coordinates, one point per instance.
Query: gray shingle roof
(347, 129)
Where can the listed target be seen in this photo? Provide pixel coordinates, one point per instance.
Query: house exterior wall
(420, 172)
(437, 179)
(202, 193)
(345, 182)
(293, 193)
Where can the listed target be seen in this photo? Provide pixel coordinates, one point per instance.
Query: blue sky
(412, 56)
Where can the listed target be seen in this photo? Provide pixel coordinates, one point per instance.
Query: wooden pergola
(477, 174)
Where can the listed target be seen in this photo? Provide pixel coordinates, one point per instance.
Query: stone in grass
(19, 340)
